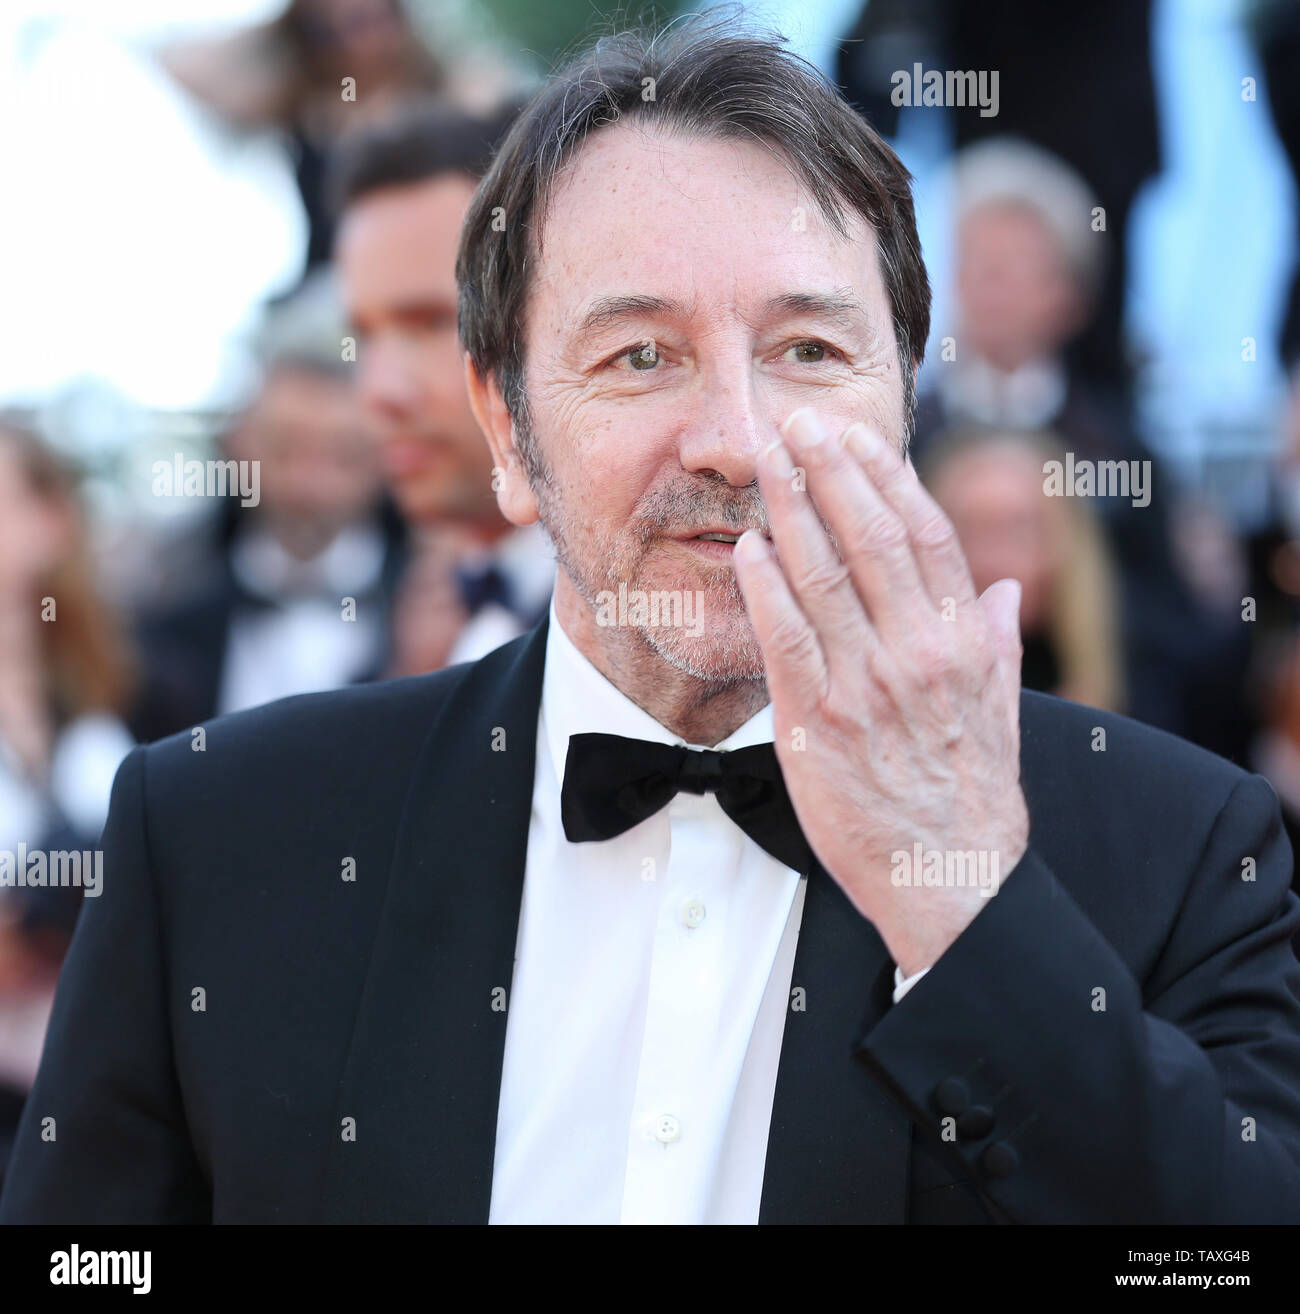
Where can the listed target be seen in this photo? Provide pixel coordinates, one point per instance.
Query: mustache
(681, 507)
(677, 508)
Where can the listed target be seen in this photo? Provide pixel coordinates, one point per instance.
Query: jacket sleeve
(1066, 1091)
(103, 1137)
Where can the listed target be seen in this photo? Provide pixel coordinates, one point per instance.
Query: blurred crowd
(374, 547)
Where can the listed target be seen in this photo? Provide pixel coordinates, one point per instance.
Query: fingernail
(749, 545)
(805, 429)
(869, 444)
(777, 458)
(857, 439)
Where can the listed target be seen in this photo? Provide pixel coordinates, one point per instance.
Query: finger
(792, 655)
(819, 580)
(938, 552)
(872, 539)
(1000, 606)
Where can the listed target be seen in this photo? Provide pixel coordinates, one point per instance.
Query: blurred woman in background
(65, 682)
(991, 484)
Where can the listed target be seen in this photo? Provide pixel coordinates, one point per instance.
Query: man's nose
(389, 388)
(729, 429)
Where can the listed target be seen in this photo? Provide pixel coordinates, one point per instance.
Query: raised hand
(895, 690)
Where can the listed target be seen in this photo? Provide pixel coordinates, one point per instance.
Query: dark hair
(85, 657)
(422, 139)
(712, 81)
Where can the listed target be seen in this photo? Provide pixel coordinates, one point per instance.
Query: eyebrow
(612, 310)
(423, 305)
(841, 307)
(433, 305)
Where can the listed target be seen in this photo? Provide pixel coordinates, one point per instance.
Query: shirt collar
(1030, 396)
(352, 562)
(578, 699)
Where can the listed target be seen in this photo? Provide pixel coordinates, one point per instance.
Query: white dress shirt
(1028, 397)
(303, 645)
(652, 977)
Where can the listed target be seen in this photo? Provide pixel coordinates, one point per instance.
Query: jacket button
(951, 1096)
(999, 1160)
(975, 1123)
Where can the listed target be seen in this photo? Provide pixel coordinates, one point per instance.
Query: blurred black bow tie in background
(480, 585)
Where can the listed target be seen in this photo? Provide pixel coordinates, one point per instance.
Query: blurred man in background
(1029, 265)
(404, 187)
(273, 616)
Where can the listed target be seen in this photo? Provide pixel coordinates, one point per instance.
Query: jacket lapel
(423, 1073)
(838, 1147)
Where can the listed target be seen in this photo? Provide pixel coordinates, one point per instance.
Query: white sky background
(138, 237)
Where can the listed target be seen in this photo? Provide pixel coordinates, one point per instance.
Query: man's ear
(509, 479)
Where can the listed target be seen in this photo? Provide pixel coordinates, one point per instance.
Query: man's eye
(644, 356)
(812, 352)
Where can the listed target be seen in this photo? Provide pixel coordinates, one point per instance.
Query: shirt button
(667, 1129)
(692, 913)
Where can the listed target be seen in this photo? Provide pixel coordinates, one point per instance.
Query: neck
(698, 711)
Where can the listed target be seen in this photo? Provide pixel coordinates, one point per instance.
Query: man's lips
(717, 543)
(713, 532)
(404, 456)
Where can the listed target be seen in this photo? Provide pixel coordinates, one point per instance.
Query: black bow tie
(481, 585)
(612, 783)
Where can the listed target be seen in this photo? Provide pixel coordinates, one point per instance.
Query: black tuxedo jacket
(241, 1034)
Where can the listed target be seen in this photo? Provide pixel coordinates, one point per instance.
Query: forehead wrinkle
(841, 306)
(661, 137)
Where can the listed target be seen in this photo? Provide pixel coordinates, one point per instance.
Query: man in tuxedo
(787, 908)
(266, 584)
(404, 185)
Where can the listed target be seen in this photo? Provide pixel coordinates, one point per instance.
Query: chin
(722, 651)
(418, 503)
(708, 635)
(427, 501)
